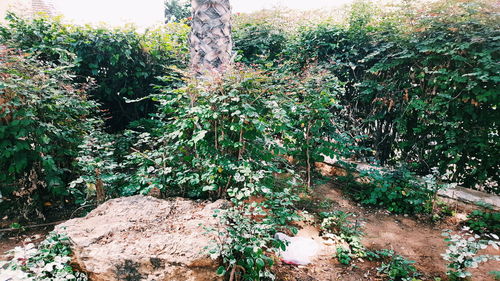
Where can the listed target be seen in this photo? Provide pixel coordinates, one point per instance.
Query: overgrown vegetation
(40, 130)
(420, 84)
(123, 63)
(462, 252)
(90, 113)
(48, 261)
(484, 222)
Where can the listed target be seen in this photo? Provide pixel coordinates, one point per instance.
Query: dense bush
(211, 138)
(42, 122)
(399, 191)
(314, 127)
(258, 42)
(96, 164)
(440, 85)
(484, 222)
(123, 62)
(219, 138)
(420, 84)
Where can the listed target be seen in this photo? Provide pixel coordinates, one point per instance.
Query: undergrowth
(49, 261)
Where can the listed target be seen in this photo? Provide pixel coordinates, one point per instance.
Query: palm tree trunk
(210, 38)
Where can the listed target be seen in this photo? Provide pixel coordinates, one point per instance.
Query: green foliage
(315, 129)
(395, 267)
(343, 255)
(339, 222)
(351, 249)
(337, 225)
(449, 105)
(399, 191)
(42, 123)
(177, 10)
(49, 261)
(441, 210)
(213, 138)
(462, 252)
(123, 63)
(484, 222)
(96, 165)
(247, 242)
(258, 42)
(420, 82)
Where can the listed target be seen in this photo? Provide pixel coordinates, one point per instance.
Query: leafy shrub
(396, 267)
(218, 138)
(339, 222)
(49, 261)
(484, 222)
(97, 167)
(258, 42)
(42, 123)
(398, 191)
(248, 242)
(416, 85)
(448, 89)
(462, 252)
(314, 128)
(213, 138)
(123, 63)
(337, 225)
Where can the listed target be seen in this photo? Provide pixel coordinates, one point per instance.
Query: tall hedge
(123, 62)
(42, 122)
(421, 84)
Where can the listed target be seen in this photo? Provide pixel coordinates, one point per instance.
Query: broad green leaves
(124, 63)
(41, 128)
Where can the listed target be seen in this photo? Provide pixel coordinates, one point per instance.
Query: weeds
(50, 261)
(462, 252)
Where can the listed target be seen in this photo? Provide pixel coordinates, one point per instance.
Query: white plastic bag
(299, 251)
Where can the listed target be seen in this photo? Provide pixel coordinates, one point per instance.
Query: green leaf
(260, 262)
(199, 136)
(221, 271)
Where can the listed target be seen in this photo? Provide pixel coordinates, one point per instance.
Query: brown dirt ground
(407, 236)
(10, 240)
(412, 238)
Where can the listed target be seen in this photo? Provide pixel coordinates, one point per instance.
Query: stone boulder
(144, 238)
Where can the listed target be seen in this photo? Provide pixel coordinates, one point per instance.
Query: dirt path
(417, 241)
(421, 242)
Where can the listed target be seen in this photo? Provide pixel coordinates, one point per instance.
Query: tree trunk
(210, 37)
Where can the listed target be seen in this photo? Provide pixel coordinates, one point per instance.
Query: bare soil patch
(410, 237)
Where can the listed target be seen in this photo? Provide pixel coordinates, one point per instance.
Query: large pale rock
(144, 238)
